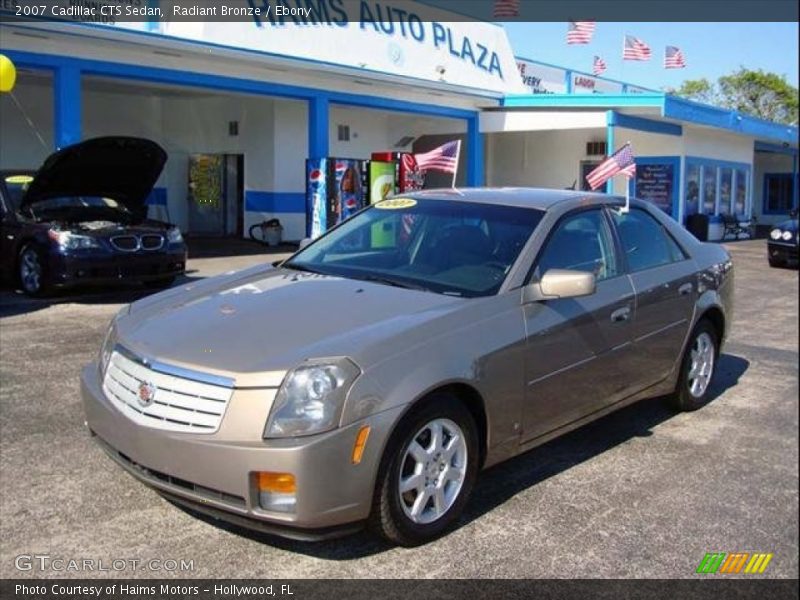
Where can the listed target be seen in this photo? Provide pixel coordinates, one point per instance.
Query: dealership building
(258, 97)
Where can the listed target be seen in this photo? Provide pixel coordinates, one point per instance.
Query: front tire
(697, 369)
(427, 473)
(31, 271)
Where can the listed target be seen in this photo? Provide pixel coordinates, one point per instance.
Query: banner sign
(655, 183)
(587, 84)
(542, 79)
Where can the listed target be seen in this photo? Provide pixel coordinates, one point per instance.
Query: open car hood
(122, 168)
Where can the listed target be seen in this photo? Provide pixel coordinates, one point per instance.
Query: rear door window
(645, 241)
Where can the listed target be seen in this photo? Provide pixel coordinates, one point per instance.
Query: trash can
(273, 232)
(697, 224)
(716, 229)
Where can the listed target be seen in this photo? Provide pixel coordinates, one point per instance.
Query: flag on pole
(580, 32)
(621, 159)
(506, 8)
(629, 171)
(599, 66)
(635, 49)
(673, 58)
(444, 158)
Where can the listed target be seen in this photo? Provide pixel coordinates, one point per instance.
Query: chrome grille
(152, 241)
(160, 400)
(125, 243)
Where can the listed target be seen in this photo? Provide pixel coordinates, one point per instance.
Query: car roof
(539, 198)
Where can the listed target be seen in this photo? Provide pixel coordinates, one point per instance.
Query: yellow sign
(396, 203)
(19, 179)
(8, 74)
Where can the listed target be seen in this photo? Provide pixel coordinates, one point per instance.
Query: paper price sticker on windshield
(396, 203)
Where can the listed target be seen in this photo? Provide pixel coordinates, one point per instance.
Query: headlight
(72, 241)
(107, 348)
(775, 234)
(174, 236)
(787, 235)
(311, 398)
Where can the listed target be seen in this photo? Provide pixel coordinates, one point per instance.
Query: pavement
(641, 493)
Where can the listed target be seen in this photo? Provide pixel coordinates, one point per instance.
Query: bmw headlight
(311, 398)
(174, 236)
(73, 241)
(787, 235)
(775, 234)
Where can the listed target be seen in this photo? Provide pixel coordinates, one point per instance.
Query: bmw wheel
(427, 473)
(31, 271)
(697, 369)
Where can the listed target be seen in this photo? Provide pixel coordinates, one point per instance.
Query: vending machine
(408, 177)
(337, 188)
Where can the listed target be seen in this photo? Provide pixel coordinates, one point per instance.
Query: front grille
(125, 243)
(163, 401)
(152, 241)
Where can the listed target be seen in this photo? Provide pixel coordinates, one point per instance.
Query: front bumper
(68, 269)
(787, 253)
(213, 473)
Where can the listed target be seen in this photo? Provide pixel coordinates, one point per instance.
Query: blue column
(609, 148)
(67, 106)
(318, 117)
(795, 182)
(475, 165)
(568, 81)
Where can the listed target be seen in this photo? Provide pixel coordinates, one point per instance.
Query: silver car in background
(372, 375)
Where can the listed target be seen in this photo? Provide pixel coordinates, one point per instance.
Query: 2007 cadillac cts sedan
(372, 375)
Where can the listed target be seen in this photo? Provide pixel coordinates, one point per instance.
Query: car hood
(122, 168)
(268, 320)
(788, 225)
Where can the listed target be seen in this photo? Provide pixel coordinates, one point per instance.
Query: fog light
(276, 491)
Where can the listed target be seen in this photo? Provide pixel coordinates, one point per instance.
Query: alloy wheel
(30, 271)
(702, 367)
(432, 471)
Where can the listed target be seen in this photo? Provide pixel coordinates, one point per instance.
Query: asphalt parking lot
(640, 493)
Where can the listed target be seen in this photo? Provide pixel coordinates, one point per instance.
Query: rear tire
(32, 271)
(697, 369)
(433, 456)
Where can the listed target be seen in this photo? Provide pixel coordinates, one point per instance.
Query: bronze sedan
(371, 376)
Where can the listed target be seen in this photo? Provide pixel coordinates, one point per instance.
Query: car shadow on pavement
(13, 302)
(500, 483)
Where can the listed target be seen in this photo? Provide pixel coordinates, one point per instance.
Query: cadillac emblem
(147, 393)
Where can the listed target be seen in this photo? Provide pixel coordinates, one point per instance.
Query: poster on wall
(655, 183)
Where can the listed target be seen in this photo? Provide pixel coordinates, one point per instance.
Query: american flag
(580, 32)
(635, 49)
(621, 160)
(444, 158)
(629, 171)
(673, 58)
(506, 8)
(599, 66)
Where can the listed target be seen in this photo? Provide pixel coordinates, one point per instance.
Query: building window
(778, 193)
(692, 189)
(740, 192)
(709, 190)
(343, 134)
(724, 187)
(725, 190)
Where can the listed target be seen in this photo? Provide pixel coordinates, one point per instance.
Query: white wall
(20, 146)
(709, 143)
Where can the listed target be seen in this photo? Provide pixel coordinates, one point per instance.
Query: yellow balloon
(8, 74)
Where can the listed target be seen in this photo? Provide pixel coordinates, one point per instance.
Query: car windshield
(444, 246)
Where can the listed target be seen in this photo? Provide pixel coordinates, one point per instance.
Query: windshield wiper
(393, 282)
(303, 268)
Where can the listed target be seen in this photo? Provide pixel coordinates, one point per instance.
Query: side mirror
(560, 283)
(305, 242)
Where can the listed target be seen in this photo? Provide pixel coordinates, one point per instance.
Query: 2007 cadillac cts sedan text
(372, 375)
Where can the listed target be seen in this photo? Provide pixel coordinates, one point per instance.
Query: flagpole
(627, 208)
(458, 157)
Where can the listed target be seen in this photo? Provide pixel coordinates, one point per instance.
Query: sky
(711, 49)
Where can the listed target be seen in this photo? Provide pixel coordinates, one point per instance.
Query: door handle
(685, 289)
(621, 314)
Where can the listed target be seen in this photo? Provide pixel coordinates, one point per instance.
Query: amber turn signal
(277, 483)
(361, 442)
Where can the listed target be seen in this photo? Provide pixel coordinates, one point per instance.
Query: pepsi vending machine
(335, 190)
